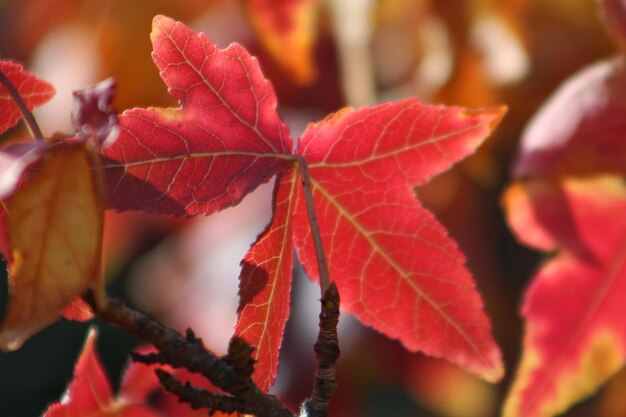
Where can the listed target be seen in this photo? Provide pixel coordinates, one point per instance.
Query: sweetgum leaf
(89, 393)
(575, 335)
(33, 91)
(395, 267)
(287, 28)
(208, 154)
(54, 228)
(265, 284)
(591, 138)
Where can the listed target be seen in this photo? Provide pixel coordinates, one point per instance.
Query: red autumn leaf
(575, 336)
(287, 28)
(33, 91)
(89, 393)
(139, 380)
(395, 267)
(592, 138)
(265, 284)
(89, 390)
(363, 164)
(77, 310)
(207, 155)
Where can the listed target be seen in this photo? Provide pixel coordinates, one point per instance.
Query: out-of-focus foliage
(564, 201)
(470, 52)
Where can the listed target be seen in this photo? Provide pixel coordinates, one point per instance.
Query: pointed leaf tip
(491, 117)
(159, 24)
(89, 392)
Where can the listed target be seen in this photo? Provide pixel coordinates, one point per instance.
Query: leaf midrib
(284, 240)
(199, 155)
(393, 153)
(399, 270)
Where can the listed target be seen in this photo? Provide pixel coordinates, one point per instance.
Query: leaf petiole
(28, 117)
(322, 264)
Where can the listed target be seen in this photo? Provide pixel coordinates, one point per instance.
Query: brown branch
(327, 352)
(239, 357)
(189, 353)
(28, 117)
(197, 398)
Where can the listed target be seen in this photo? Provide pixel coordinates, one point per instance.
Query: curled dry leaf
(54, 228)
(575, 335)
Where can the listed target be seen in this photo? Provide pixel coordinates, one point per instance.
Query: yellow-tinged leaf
(574, 310)
(601, 358)
(55, 230)
(287, 28)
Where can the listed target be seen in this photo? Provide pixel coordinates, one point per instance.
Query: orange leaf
(575, 336)
(287, 28)
(54, 228)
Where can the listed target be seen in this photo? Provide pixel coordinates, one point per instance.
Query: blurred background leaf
(465, 52)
